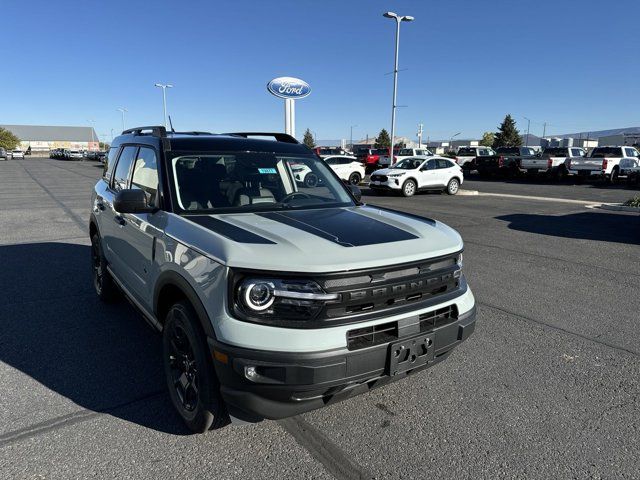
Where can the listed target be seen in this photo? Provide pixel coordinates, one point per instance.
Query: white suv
(418, 173)
(347, 168)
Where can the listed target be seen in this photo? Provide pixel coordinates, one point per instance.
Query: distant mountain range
(599, 133)
(535, 140)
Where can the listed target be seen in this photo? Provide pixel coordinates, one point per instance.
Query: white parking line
(542, 199)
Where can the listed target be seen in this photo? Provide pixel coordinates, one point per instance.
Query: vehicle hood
(388, 171)
(315, 240)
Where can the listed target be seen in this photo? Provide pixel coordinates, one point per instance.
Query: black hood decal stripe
(340, 226)
(232, 232)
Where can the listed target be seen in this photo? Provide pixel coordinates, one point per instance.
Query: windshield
(216, 182)
(409, 163)
(508, 150)
(469, 152)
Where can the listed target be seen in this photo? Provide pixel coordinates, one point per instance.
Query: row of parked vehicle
(609, 163)
(7, 154)
(414, 169)
(68, 154)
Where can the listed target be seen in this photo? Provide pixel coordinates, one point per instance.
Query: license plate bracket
(410, 353)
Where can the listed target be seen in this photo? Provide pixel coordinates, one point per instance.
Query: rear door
(446, 169)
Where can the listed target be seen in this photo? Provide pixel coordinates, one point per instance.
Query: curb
(467, 192)
(618, 207)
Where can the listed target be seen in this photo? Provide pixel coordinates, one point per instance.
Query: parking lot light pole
(123, 111)
(351, 137)
(398, 19)
(164, 87)
(451, 141)
(526, 143)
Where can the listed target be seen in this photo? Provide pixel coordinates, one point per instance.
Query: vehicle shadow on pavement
(54, 329)
(605, 227)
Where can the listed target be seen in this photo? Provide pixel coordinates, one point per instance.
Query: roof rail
(193, 132)
(280, 137)
(156, 131)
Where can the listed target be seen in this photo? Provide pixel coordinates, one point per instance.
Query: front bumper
(285, 384)
(390, 184)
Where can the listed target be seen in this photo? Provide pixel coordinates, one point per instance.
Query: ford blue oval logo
(289, 87)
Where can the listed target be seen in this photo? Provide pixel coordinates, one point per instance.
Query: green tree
(487, 139)
(308, 139)
(507, 134)
(103, 146)
(8, 140)
(383, 140)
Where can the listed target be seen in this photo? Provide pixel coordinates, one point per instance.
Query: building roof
(44, 133)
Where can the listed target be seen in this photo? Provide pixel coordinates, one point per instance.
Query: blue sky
(575, 65)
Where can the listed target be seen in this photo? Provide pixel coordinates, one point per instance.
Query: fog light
(250, 372)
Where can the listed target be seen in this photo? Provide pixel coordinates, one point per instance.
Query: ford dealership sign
(289, 87)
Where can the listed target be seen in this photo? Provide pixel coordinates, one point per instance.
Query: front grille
(379, 178)
(391, 288)
(365, 337)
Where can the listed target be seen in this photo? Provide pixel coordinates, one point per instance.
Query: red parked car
(371, 156)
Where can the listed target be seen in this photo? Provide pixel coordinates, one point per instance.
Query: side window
(110, 162)
(444, 164)
(630, 152)
(331, 161)
(431, 165)
(145, 174)
(121, 174)
(345, 161)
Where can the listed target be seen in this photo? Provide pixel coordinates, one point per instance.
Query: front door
(138, 233)
(429, 174)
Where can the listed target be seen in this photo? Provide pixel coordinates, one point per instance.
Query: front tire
(409, 188)
(614, 177)
(191, 378)
(453, 186)
(310, 180)
(103, 283)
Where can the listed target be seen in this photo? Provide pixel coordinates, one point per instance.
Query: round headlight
(258, 295)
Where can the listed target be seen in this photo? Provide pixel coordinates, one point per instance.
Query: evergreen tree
(487, 139)
(507, 134)
(383, 140)
(308, 139)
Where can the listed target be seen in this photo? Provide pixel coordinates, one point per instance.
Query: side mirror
(131, 201)
(355, 191)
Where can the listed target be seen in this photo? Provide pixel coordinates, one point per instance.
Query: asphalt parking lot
(547, 387)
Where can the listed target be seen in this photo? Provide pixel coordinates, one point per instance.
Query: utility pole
(351, 137)
(544, 129)
(420, 125)
(528, 125)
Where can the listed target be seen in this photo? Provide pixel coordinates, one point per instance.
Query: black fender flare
(173, 278)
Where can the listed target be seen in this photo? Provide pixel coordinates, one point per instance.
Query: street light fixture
(123, 111)
(398, 19)
(164, 87)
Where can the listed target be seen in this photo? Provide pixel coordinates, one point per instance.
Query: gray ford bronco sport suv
(273, 298)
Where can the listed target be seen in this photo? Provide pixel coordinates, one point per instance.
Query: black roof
(205, 141)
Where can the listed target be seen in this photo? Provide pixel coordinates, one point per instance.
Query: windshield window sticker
(267, 171)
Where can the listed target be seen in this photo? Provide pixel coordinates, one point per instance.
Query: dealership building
(44, 138)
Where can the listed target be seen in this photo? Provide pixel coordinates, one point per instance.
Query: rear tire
(191, 378)
(103, 283)
(354, 178)
(453, 186)
(614, 177)
(409, 188)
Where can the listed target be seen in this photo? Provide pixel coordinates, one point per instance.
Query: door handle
(119, 219)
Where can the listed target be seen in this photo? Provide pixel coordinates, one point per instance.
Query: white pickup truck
(466, 156)
(607, 162)
(552, 161)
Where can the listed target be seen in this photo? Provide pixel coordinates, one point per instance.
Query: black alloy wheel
(189, 371)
